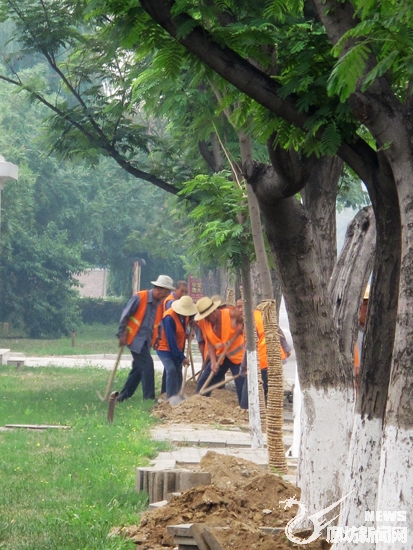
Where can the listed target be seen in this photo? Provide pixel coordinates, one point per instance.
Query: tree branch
(106, 146)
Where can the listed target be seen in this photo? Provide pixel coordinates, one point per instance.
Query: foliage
(68, 488)
(351, 192)
(61, 217)
(384, 34)
(220, 233)
(99, 310)
(37, 280)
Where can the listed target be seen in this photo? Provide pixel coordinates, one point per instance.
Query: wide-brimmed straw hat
(367, 293)
(164, 281)
(184, 306)
(205, 306)
(217, 298)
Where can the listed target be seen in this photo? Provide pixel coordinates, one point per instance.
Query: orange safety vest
(236, 350)
(170, 297)
(135, 321)
(201, 326)
(262, 346)
(180, 331)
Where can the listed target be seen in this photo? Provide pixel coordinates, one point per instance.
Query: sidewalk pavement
(194, 441)
(104, 361)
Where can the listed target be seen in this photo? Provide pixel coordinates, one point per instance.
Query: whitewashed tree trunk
(326, 420)
(253, 399)
(363, 471)
(396, 467)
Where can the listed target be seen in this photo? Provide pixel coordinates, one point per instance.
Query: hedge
(101, 310)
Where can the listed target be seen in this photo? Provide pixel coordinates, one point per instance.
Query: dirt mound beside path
(220, 408)
(242, 498)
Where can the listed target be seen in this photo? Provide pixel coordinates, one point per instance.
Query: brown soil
(220, 408)
(242, 497)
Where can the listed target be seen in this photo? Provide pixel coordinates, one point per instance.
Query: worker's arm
(213, 358)
(129, 310)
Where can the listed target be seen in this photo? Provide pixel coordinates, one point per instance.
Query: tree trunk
(256, 287)
(319, 199)
(253, 401)
(364, 453)
(326, 382)
(396, 471)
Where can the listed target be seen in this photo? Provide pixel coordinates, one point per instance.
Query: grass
(66, 488)
(90, 339)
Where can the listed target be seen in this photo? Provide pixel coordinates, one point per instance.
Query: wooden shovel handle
(219, 384)
(207, 382)
(112, 376)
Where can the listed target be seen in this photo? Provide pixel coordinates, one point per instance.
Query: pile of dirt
(242, 498)
(229, 471)
(220, 408)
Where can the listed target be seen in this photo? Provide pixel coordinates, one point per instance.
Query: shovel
(218, 385)
(176, 400)
(112, 377)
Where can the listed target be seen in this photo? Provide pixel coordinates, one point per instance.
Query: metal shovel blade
(176, 400)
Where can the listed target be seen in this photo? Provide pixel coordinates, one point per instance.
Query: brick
(187, 480)
(156, 505)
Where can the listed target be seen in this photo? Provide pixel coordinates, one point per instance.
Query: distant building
(93, 283)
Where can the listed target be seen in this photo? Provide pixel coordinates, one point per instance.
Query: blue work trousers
(220, 376)
(173, 373)
(244, 397)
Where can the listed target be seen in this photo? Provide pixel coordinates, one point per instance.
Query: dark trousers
(244, 396)
(142, 371)
(220, 376)
(173, 374)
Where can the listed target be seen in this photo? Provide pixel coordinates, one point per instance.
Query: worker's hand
(214, 368)
(185, 362)
(122, 340)
(156, 344)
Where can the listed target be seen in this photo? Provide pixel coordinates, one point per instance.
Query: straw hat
(367, 293)
(184, 306)
(163, 281)
(217, 298)
(205, 306)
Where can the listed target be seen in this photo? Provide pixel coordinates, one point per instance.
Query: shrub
(101, 310)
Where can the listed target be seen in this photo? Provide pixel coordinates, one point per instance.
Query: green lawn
(90, 339)
(66, 488)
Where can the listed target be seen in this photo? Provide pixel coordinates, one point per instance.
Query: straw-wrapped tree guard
(231, 297)
(261, 397)
(275, 398)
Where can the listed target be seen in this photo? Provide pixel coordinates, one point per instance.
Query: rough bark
(255, 219)
(256, 286)
(350, 276)
(319, 199)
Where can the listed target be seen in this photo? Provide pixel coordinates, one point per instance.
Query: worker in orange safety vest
(285, 352)
(139, 329)
(222, 331)
(172, 346)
